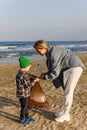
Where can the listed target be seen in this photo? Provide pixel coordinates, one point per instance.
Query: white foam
(7, 47)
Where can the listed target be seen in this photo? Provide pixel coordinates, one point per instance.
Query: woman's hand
(42, 76)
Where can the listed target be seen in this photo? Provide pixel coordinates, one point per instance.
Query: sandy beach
(44, 118)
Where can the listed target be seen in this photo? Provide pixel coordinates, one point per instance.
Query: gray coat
(58, 61)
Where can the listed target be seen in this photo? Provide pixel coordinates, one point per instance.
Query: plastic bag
(37, 97)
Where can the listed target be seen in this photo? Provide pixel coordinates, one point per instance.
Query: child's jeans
(24, 107)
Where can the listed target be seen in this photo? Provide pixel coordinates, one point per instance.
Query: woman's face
(42, 51)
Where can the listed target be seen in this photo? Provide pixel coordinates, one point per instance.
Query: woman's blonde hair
(40, 44)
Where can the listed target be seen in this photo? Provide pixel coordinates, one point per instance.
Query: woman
(64, 69)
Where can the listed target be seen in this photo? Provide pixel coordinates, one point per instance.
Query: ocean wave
(68, 46)
(7, 47)
(25, 48)
(74, 45)
(18, 53)
(14, 49)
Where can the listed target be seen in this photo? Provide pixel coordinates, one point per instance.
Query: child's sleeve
(28, 82)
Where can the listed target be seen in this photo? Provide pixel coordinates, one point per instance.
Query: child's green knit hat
(24, 62)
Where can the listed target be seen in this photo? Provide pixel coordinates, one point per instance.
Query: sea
(11, 50)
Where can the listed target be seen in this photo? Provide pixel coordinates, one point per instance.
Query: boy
(24, 84)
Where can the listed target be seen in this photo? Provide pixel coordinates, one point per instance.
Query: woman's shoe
(64, 117)
(59, 113)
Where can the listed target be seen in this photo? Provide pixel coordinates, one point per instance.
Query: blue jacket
(60, 59)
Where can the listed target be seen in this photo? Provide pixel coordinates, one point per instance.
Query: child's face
(28, 68)
(42, 51)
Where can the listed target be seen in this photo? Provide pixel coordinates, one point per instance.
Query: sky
(30, 20)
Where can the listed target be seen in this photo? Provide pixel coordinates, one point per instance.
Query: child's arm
(36, 79)
(28, 82)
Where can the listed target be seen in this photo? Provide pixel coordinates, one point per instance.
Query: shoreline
(14, 60)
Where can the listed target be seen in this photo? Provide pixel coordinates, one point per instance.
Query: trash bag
(37, 97)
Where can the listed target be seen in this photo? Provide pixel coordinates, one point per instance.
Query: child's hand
(36, 79)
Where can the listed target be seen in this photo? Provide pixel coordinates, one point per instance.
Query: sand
(44, 118)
